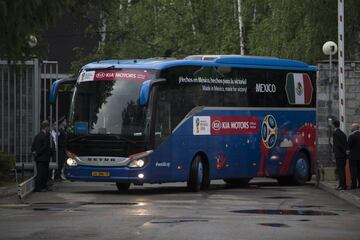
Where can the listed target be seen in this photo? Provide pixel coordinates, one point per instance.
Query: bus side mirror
(55, 86)
(145, 90)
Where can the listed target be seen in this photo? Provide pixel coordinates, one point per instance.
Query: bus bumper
(105, 174)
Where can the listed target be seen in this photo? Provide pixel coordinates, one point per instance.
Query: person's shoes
(48, 189)
(340, 188)
(353, 187)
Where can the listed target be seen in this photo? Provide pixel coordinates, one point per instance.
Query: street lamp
(329, 48)
(32, 41)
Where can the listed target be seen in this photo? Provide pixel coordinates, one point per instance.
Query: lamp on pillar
(330, 48)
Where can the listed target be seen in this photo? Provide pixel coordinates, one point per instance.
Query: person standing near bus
(339, 149)
(41, 151)
(62, 146)
(354, 156)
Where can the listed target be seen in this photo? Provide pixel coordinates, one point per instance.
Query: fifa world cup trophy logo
(197, 125)
(269, 131)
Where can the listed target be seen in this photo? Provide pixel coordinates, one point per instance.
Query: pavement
(351, 196)
(9, 194)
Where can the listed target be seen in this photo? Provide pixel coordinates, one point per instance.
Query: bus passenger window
(163, 122)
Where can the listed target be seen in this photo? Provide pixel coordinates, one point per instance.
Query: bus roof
(204, 60)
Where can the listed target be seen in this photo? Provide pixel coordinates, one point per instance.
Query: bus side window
(163, 121)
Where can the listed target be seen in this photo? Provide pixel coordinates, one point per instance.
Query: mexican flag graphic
(298, 88)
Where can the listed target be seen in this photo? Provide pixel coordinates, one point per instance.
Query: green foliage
(176, 28)
(22, 18)
(7, 162)
(294, 29)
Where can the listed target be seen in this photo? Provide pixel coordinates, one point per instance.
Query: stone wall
(328, 105)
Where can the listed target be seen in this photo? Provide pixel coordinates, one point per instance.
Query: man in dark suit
(339, 149)
(354, 156)
(62, 141)
(41, 151)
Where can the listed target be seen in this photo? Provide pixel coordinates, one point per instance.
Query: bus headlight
(71, 162)
(137, 163)
(72, 159)
(139, 160)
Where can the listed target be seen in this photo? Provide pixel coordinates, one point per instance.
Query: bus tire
(238, 182)
(198, 178)
(301, 169)
(122, 187)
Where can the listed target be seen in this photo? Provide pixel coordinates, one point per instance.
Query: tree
(21, 19)
(241, 27)
(176, 28)
(298, 29)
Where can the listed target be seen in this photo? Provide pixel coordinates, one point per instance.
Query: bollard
(347, 174)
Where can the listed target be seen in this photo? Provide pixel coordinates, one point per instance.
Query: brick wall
(327, 104)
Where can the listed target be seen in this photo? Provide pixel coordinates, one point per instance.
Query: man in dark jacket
(339, 149)
(62, 141)
(354, 156)
(41, 151)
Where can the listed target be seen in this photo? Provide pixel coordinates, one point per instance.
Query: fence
(24, 88)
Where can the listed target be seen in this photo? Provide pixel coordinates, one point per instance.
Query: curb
(344, 195)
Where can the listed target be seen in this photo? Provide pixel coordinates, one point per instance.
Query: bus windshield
(107, 107)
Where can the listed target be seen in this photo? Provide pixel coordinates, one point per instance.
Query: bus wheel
(301, 169)
(198, 178)
(237, 182)
(122, 187)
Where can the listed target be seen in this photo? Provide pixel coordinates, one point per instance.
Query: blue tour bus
(192, 120)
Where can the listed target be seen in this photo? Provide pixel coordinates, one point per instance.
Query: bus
(193, 120)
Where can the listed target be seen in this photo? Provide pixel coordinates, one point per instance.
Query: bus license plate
(100, 174)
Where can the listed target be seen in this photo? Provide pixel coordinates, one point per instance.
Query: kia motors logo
(100, 75)
(216, 125)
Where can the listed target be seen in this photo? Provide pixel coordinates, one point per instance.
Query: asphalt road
(264, 210)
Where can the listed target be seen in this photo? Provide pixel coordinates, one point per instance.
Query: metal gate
(24, 89)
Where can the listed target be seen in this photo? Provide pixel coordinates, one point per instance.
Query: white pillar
(341, 57)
